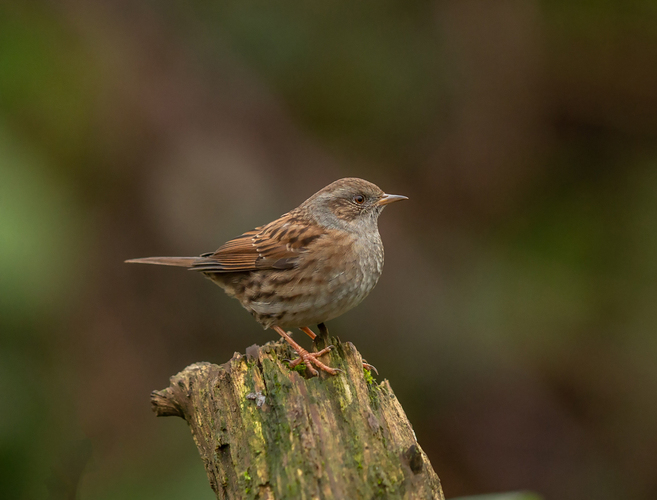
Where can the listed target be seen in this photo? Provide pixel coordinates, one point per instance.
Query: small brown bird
(307, 267)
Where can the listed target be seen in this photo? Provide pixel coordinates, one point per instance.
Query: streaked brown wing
(278, 245)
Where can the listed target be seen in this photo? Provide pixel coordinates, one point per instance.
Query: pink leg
(308, 331)
(309, 358)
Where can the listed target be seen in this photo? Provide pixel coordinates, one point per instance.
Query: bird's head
(349, 202)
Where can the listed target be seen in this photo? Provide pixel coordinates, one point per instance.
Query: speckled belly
(312, 294)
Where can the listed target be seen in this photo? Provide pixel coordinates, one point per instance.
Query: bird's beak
(386, 199)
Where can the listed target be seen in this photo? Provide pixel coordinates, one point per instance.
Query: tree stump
(267, 432)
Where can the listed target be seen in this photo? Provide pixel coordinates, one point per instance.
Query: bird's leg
(308, 331)
(324, 333)
(309, 358)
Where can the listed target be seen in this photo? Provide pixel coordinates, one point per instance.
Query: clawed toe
(324, 351)
(311, 361)
(309, 358)
(293, 362)
(370, 367)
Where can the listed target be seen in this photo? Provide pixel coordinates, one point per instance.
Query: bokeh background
(516, 316)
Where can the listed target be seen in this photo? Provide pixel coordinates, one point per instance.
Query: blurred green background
(516, 317)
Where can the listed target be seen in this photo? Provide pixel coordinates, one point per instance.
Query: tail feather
(165, 261)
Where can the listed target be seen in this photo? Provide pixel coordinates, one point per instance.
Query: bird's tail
(165, 261)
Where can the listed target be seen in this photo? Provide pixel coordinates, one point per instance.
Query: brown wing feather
(278, 245)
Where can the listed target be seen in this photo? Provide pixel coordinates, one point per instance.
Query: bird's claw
(310, 359)
(327, 349)
(370, 367)
(311, 362)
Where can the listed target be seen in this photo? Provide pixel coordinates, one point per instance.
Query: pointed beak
(386, 199)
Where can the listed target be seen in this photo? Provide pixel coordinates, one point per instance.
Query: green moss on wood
(265, 431)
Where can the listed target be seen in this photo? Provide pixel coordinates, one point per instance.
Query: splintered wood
(267, 432)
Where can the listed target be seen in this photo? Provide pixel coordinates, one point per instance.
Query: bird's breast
(331, 278)
(354, 273)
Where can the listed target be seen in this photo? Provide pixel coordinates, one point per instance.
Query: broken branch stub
(267, 432)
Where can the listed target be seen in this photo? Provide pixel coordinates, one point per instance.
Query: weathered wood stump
(267, 432)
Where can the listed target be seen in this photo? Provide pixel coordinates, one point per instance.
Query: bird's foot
(311, 361)
(309, 358)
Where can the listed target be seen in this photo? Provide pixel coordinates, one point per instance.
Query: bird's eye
(359, 199)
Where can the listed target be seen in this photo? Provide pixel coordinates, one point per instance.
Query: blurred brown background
(516, 316)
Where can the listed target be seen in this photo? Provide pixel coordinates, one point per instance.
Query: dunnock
(307, 267)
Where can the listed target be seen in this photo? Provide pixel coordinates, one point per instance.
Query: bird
(307, 267)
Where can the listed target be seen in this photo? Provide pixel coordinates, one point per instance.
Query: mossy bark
(267, 432)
